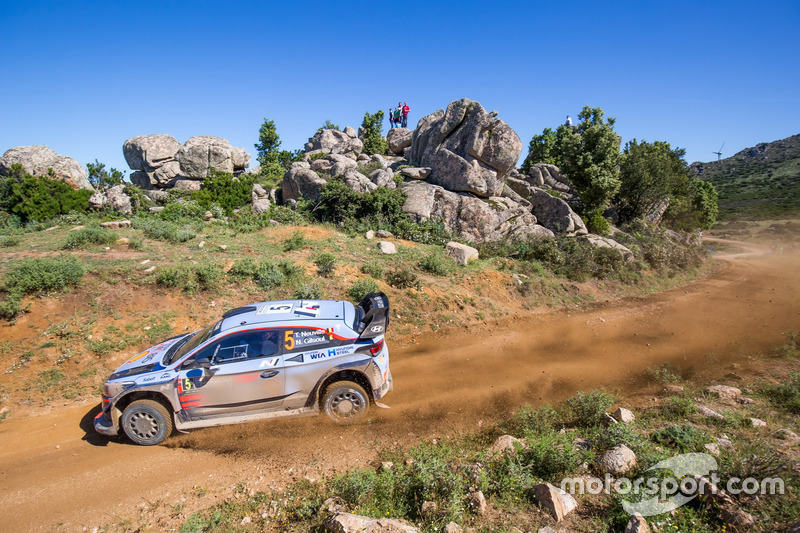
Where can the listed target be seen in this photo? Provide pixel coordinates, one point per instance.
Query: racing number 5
(288, 338)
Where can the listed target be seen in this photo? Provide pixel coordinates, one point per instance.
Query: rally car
(268, 359)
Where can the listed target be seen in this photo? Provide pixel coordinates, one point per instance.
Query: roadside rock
(461, 254)
(788, 434)
(637, 524)
(113, 197)
(383, 177)
(476, 501)
(116, 224)
(37, 160)
(416, 173)
(757, 423)
(387, 247)
(452, 527)
(556, 215)
(351, 523)
(617, 460)
(467, 148)
(554, 500)
(506, 444)
(358, 181)
(709, 413)
(723, 391)
(604, 242)
(624, 415)
(199, 155)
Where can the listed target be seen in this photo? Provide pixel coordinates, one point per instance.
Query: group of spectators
(398, 117)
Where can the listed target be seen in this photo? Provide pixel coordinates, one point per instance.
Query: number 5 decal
(289, 339)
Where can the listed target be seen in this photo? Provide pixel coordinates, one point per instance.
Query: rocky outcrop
(37, 160)
(467, 149)
(470, 217)
(604, 242)
(260, 199)
(161, 162)
(329, 141)
(351, 523)
(300, 183)
(113, 198)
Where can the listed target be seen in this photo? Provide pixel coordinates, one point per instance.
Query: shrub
(597, 223)
(9, 241)
(297, 241)
(533, 420)
(208, 275)
(663, 374)
(550, 455)
(42, 198)
(425, 232)
(139, 201)
(162, 230)
(326, 264)
(677, 407)
(372, 269)
(38, 274)
(182, 208)
(685, 438)
(225, 190)
(402, 278)
(244, 268)
(307, 291)
(174, 277)
(436, 264)
(91, 235)
(589, 408)
(374, 143)
(786, 396)
(361, 288)
(379, 208)
(269, 275)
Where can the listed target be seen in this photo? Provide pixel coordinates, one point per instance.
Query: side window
(302, 339)
(241, 346)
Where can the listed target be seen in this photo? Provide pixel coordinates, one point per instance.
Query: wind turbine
(719, 153)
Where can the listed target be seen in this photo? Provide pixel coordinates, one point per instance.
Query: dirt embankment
(55, 473)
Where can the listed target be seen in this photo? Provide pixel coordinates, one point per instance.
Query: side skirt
(182, 425)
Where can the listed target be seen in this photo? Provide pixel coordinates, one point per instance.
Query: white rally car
(263, 360)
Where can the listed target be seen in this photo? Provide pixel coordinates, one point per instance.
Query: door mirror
(203, 363)
(195, 373)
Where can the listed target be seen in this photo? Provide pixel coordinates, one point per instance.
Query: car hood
(148, 360)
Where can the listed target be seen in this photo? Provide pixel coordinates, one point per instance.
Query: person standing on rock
(391, 118)
(397, 112)
(406, 109)
(568, 123)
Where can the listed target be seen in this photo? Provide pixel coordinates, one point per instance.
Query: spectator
(397, 112)
(406, 109)
(568, 123)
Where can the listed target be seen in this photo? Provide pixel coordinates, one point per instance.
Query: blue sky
(82, 77)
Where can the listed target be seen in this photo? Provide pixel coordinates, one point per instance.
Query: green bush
(161, 230)
(244, 268)
(402, 278)
(684, 438)
(436, 264)
(140, 203)
(91, 235)
(269, 275)
(181, 208)
(326, 264)
(374, 142)
(597, 223)
(589, 408)
(677, 407)
(379, 208)
(550, 455)
(208, 275)
(9, 241)
(226, 191)
(38, 274)
(786, 396)
(174, 277)
(529, 419)
(361, 288)
(307, 291)
(372, 269)
(663, 374)
(297, 241)
(41, 198)
(425, 232)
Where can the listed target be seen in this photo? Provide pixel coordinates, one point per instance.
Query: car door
(245, 373)
(308, 352)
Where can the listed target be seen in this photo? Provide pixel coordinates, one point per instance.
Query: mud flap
(382, 405)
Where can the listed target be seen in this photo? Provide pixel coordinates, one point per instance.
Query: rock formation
(161, 162)
(37, 160)
(468, 149)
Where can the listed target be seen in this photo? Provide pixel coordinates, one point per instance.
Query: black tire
(345, 402)
(147, 422)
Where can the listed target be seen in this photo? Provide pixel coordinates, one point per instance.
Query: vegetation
(374, 142)
(40, 197)
(92, 235)
(223, 190)
(36, 275)
(100, 178)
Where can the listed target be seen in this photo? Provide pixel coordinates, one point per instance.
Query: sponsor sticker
(137, 357)
(267, 363)
(274, 309)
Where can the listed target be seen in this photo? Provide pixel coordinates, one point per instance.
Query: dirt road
(56, 474)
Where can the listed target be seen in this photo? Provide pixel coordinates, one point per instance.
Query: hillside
(758, 182)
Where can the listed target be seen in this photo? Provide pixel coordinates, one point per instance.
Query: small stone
(757, 423)
(624, 415)
(712, 448)
(506, 444)
(787, 434)
(383, 234)
(745, 401)
(637, 524)
(246, 520)
(369, 235)
(144, 262)
(387, 247)
(387, 465)
(724, 391)
(452, 527)
(609, 420)
(477, 502)
(617, 460)
(461, 253)
(148, 270)
(673, 388)
(724, 443)
(76, 228)
(223, 247)
(705, 411)
(428, 509)
(202, 243)
(208, 215)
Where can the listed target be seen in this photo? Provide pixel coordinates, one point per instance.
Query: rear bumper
(386, 386)
(104, 425)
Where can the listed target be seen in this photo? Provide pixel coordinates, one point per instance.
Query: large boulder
(149, 152)
(114, 198)
(473, 218)
(467, 149)
(37, 160)
(351, 523)
(199, 155)
(302, 183)
(332, 141)
(555, 214)
(399, 139)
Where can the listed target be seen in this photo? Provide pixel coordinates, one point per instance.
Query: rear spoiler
(372, 316)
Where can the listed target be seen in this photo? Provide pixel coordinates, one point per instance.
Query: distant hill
(758, 182)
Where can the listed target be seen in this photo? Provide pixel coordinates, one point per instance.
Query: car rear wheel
(147, 422)
(345, 402)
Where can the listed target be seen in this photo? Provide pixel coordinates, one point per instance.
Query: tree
(100, 178)
(649, 174)
(328, 125)
(41, 198)
(371, 127)
(542, 149)
(589, 155)
(695, 209)
(268, 143)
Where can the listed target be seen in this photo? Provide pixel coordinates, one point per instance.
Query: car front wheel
(345, 402)
(146, 422)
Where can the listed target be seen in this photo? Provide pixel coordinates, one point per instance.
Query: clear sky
(82, 77)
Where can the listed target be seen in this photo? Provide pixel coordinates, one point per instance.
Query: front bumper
(104, 425)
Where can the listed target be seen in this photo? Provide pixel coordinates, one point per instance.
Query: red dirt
(55, 473)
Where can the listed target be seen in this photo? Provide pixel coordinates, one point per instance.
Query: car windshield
(194, 340)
